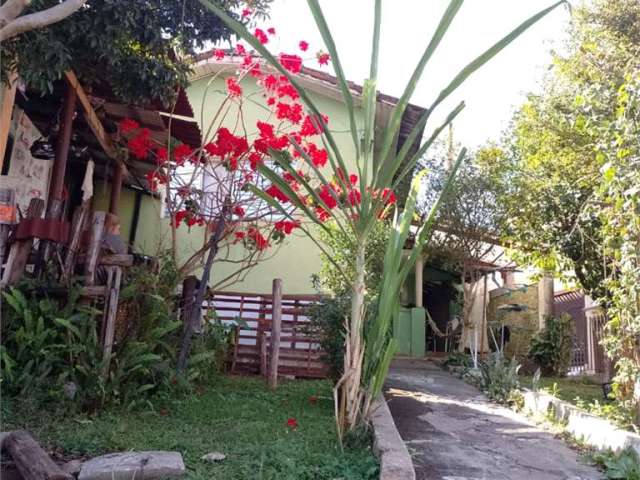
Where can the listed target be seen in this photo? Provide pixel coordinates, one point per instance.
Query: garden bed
(287, 434)
(575, 390)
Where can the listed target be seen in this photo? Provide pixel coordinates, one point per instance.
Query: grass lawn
(568, 389)
(237, 416)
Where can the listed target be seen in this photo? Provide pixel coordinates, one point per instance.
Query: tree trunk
(349, 389)
(196, 311)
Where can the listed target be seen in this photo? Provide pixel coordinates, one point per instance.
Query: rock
(133, 465)
(72, 467)
(214, 457)
(70, 389)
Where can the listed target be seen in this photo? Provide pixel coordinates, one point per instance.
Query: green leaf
(492, 52)
(393, 127)
(321, 22)
(68, 325)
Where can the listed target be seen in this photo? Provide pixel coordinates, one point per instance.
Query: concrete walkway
(454, 433)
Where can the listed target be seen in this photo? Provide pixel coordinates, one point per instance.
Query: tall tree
(568, 173)
(547, 167)
(140, 47)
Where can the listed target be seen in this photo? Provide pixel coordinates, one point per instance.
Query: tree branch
(10, 10)
(38, 19)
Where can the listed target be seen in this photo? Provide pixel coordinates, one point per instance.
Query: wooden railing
(300, 354)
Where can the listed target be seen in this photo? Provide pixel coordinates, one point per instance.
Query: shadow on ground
(454, 433)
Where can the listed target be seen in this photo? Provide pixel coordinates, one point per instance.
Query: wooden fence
(300, 354)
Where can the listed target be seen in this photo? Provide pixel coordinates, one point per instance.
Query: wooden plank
(93, 250)
(110, 319)
(32, 461)
(276, 324)
(20, 250)
(264, 369)
(77, 227)
(8, 100)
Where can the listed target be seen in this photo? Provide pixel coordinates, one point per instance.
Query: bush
(498, 378)
(327, 322)
(51, 348)
(624, 466)
(551, 348)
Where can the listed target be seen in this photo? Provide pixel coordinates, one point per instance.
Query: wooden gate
(300, 354)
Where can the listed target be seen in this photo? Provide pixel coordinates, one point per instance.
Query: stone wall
(522, 325)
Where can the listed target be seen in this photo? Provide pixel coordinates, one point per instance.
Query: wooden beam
(92, 119)
(8, 99)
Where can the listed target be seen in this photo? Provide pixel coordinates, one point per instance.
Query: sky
(491, 94)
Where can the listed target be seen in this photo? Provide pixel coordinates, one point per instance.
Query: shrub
(498, 377)
(623, 466)
(327, 322)
(551, 348)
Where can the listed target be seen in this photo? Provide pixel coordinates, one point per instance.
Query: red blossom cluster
(290, 131)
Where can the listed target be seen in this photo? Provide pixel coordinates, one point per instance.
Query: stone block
(133, 465)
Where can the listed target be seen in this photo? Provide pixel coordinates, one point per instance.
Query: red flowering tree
(214, 186)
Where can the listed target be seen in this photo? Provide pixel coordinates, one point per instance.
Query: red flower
(322, 214)
(313, 125)
(292, 423)
(319, 156)
(304, 46)
(240, 50)
(260, 242)
(239, 236)
(293, 63)
(286, 226)
(271, 31)
(326, 194)
(255, 159)
(153, 181)
(161, 156)
(276, 193)
(388, 196)
(353, 179)
(292, 112)
(355, 197)
(261, 36)
(323, 58)
(266, 129)
(181, 153)
(233, 88)
(238, 210)
(270, 82)
(127, 124)
(179, 217)
(288, 90)
(218, 54)
(140, 144)
(246, 12)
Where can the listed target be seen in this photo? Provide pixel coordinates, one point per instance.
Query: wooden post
(77, 227)
(8, 99)
(418, 286)
(111, 311)
(32, 461)
(20, 250)
(56, 187)
(276, 325)
(93, 249)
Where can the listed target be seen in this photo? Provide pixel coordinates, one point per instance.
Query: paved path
(454, 433)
